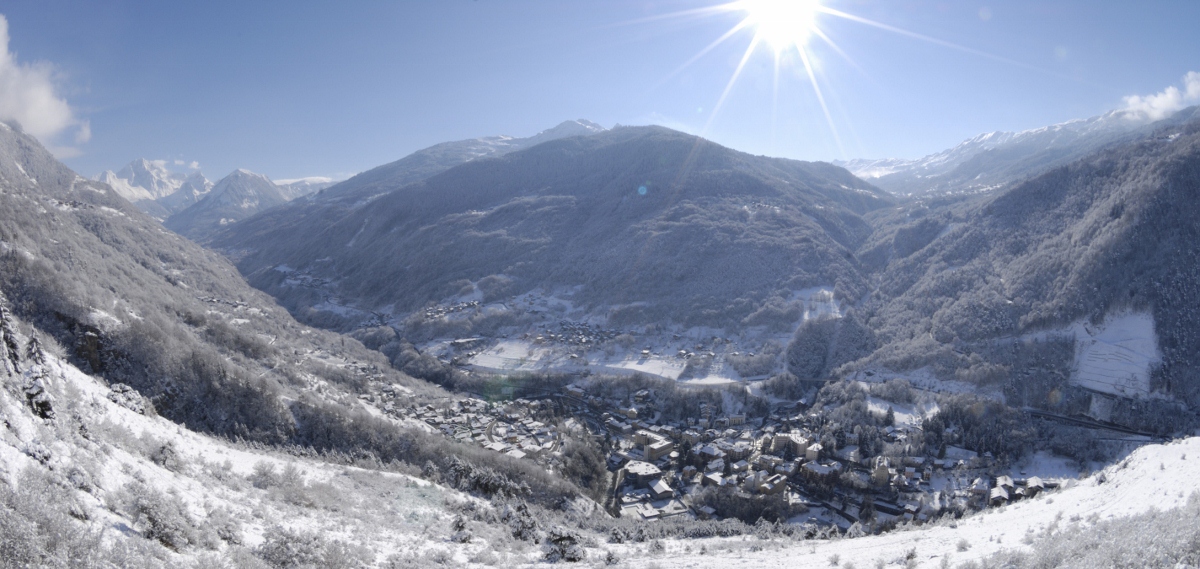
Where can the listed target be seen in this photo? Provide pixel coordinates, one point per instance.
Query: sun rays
(788, 30)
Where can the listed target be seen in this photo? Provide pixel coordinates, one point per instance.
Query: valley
(599, 345)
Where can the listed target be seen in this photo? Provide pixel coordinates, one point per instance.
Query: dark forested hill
(648, 223)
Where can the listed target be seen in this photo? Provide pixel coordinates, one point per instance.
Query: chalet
(1005, 482)
(713, 479)
(660, 490)
(1034, 486)
(998, 496)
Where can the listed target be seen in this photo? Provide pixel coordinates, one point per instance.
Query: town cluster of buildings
(572, 334)
(508, 429)
(435, 312)
(663, 467)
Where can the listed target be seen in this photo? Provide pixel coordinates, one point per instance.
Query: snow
(905, 414)
(1116, 356)
(819, 302)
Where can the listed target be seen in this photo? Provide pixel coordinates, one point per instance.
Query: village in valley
(663, 469)
(810, 463)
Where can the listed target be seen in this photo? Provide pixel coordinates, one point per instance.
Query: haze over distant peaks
(991, 159)
(297, 187)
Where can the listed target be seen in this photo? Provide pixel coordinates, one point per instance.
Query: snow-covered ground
(1116, 356)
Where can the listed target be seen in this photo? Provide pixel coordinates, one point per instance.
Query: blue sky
(295, 88)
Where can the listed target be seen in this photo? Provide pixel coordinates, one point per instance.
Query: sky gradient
(293, 89)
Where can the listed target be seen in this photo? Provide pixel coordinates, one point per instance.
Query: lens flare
(782, 23)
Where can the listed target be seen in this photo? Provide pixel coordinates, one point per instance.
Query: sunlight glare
(782, 23)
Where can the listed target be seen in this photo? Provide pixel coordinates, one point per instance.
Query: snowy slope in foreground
(1153, 477)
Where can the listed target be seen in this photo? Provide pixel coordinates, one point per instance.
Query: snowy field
(1116, 356)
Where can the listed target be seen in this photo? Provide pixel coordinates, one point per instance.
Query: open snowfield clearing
(1116, 356)
(905, 414)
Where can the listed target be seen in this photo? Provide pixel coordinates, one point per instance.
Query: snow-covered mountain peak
(564, 129)
(965, 167)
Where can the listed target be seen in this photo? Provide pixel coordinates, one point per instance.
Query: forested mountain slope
(648, 223)
(1114, 234)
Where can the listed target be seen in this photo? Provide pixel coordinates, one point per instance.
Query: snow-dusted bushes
(163, 517)
(37, 529)
(1152, 539)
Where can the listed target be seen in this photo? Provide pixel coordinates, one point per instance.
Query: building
(813, 452)
(660, 490)
(1034, 486)
(643, 472)
(658, 449)
(998, 496)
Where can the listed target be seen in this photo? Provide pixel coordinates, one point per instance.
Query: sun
(782, 24)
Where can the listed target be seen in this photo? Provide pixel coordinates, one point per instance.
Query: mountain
(993, 159)
(154, 188)
(643, 224)
(237, 196)
(441, 157)
(1069, 290)
(301, 187)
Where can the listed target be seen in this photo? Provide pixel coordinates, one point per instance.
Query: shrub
(286, 549)
(164, 517)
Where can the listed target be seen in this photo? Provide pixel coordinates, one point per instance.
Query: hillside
(133, 303)
(645, 224)
(1089, 268)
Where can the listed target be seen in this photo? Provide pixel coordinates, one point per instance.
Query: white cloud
(194, 165)
(27, 96)
(1160, 105)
